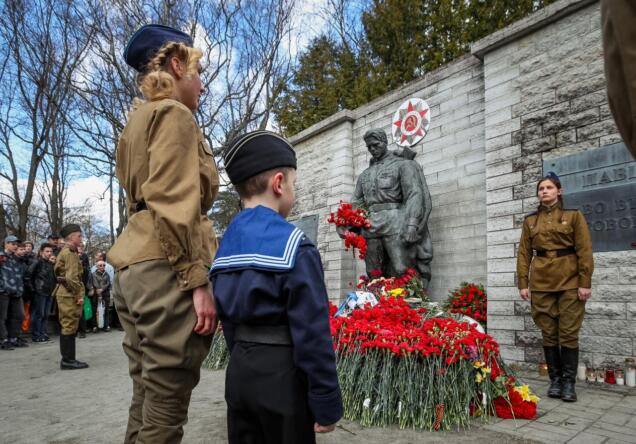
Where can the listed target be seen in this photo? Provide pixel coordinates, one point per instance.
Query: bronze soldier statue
(393, 190)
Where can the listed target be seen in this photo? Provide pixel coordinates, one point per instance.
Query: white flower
(367, 403)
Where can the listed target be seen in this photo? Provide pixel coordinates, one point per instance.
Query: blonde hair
(155, 82)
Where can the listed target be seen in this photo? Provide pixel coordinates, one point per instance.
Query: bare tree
(46, 42)
(246, 60)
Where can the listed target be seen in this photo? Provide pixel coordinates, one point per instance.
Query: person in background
(25, 255)
(13, 274)
(53, 239)
(86, 324)
(4, 307)
(101, 292)
(29, 254)
(101, 256)
(41, 278)
(554, 272)
(69, 294)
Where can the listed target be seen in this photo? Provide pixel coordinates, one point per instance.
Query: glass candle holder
(581, 371)
(600, 376)
(543, 369)
(620, 377)
(590, 375)
(609, 376)
(630, 372)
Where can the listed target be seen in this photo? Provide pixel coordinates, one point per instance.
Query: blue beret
(144, 43)
(552, 175)
(255, 152)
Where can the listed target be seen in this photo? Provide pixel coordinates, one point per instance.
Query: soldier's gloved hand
(205, 310)
(410, 234)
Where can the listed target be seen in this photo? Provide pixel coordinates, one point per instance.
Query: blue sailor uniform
(266, 274)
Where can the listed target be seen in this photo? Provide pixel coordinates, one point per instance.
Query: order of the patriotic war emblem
(411, 122)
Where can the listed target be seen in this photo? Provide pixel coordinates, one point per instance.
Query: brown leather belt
(555, 253)
(141, 206)
(263, 334)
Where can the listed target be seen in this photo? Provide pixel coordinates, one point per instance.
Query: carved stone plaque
(602, 184)
(309, 226)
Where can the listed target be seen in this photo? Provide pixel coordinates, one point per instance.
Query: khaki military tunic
(554, 281)
(170, 187)
(69, 267)
(548, 230)
(165, 251)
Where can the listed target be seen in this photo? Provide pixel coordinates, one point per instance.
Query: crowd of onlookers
(27, 285)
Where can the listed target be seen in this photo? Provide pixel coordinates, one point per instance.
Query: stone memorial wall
(528, 99)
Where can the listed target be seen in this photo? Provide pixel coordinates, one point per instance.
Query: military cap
(255, 152)
(144, 43)
(70, 228)
(53, 236)
(11, 238)
(552, 175)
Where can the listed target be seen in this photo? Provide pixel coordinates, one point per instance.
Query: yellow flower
(478, 378)
(478, 364)
(526, 394)
(396, 292)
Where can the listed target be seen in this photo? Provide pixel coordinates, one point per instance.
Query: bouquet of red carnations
(352, 220)
(397, 367)
(469, 299)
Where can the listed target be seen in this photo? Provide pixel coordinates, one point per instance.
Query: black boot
(67, 349)
(553, 359)
(570, 362)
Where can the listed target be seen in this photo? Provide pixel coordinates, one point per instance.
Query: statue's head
(376, 142)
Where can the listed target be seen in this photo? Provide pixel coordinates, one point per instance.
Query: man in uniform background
(69, 294)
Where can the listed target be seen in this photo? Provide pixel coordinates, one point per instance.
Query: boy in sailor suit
(281, 382)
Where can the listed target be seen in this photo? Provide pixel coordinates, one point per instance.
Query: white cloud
(94, 192)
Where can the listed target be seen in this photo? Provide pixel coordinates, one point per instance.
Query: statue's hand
(410, 234)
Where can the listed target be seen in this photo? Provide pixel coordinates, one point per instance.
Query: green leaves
(402, 40)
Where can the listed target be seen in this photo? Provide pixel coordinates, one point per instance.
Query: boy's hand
(324, 428)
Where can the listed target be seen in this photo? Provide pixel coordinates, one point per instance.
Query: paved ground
(41, 404)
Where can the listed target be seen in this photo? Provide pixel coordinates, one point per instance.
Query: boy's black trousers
(266, 397)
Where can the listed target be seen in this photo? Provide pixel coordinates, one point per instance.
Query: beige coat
(170, 178)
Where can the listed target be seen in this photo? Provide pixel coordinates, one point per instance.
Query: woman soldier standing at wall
(556, 252)
(161, 289)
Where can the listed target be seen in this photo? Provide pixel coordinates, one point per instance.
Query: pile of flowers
(469, 299)
(396, 366)
(408, 286)
(352, 221)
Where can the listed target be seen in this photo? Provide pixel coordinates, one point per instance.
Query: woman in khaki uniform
(161, 290)
(554, 271)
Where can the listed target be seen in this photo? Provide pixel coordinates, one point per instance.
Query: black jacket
(13, 276)
(41, 278)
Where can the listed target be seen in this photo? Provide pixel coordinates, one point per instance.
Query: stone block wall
(451, 154)
(530, 93)
(545, 98)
